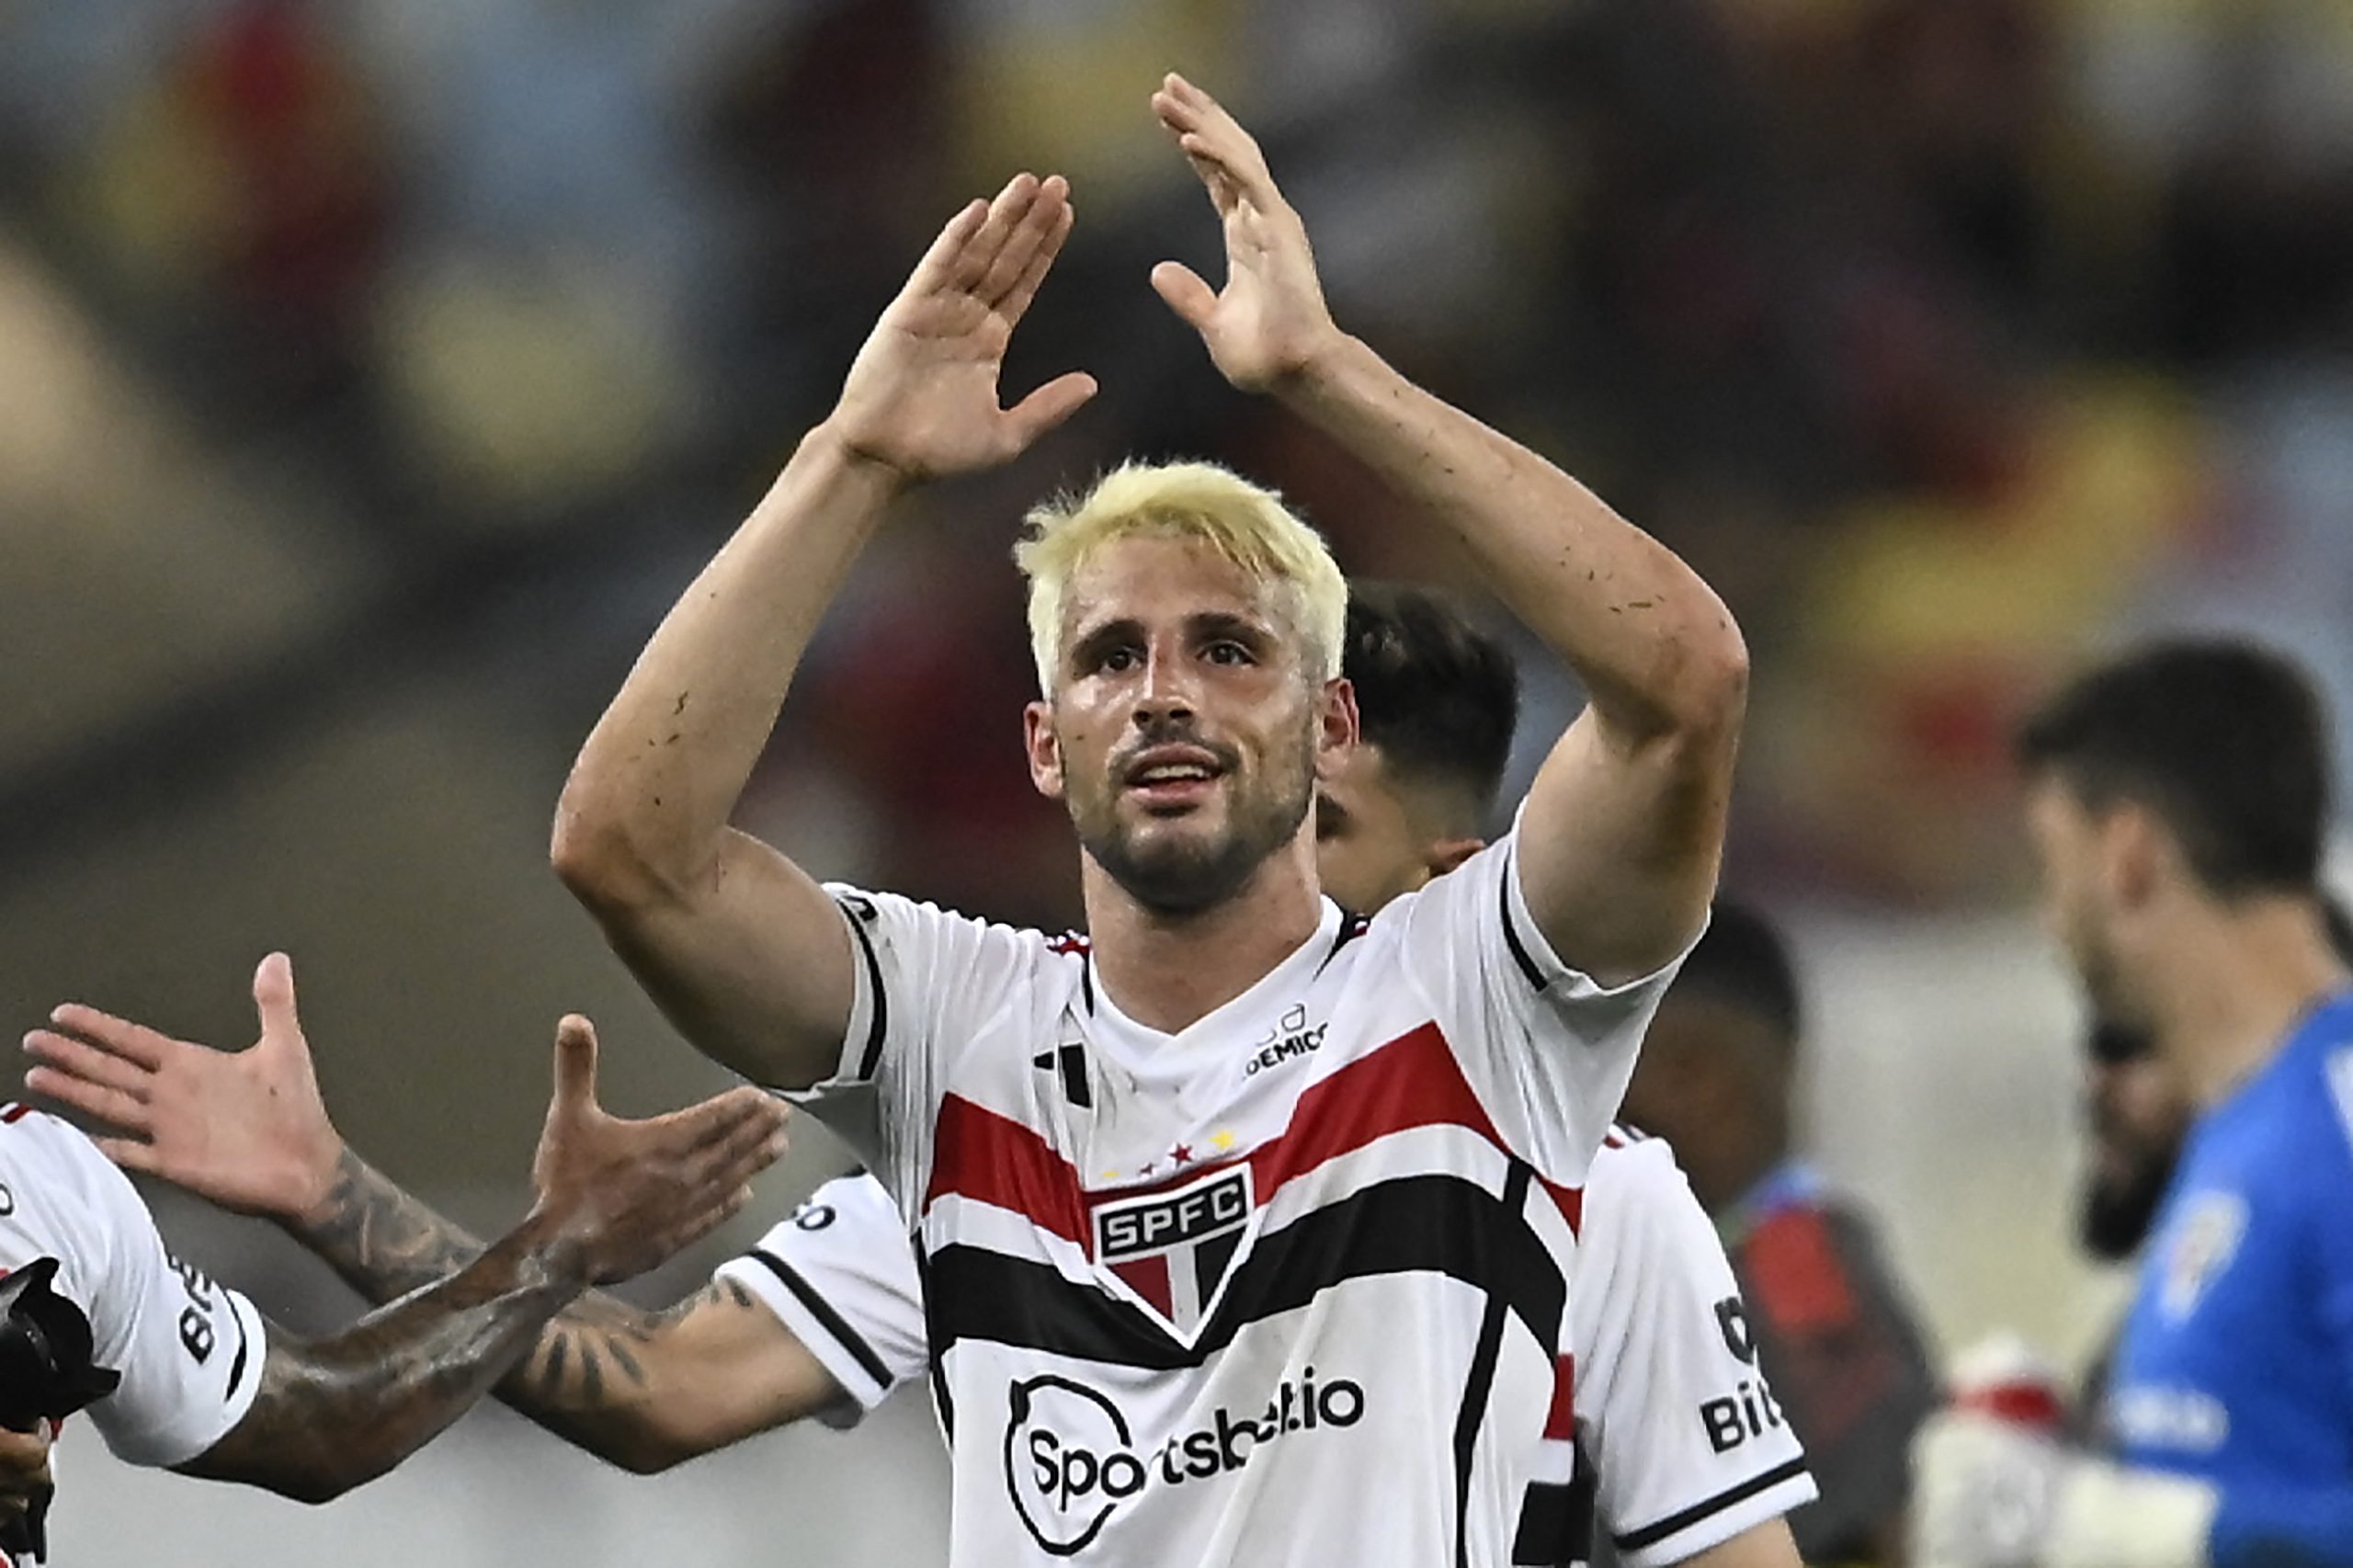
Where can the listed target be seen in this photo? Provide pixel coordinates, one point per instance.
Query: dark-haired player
(1849, 1359)
(2178, 799)
(826, 1316)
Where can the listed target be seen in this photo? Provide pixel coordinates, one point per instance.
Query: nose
(1167, 695)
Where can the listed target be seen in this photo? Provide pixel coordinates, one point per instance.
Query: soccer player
(824, 1315)
(1849, 1359)
(207, 1387)
(1241, 1220)
(2177, 801)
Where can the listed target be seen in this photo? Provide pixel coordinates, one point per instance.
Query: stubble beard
(1180, 873)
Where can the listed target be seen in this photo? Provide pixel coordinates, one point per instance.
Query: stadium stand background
(373, 374)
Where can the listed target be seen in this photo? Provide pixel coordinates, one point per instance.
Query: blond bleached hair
(1246, 523)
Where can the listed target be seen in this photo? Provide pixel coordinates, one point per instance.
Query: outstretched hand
(921, 398)
(246, 1129)
(1270, 322)
(623, 1196)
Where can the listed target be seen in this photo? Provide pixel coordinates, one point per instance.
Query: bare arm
(615, 1198)
(336, 1413)
(735, 943)
(1768, 1545)
(640, 1389)
(1624, 828)
(249, 1130)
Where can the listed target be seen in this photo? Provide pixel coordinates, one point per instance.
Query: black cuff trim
(1651, 1535)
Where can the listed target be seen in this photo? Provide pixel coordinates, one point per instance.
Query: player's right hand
(921, 398)
(24, 1483)
(619, 1196)
(246, 1129)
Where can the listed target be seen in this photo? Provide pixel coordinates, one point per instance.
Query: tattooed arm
(614, 1198)
(249, 1130)
(640, 1389)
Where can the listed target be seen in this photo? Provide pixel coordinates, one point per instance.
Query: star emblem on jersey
(1171, 1253)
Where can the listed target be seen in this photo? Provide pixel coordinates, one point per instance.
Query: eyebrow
(1096, 640)
(1205, 625)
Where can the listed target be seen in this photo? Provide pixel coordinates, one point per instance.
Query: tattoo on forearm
(332, 1414)
(380, 1239)
(589, 1360)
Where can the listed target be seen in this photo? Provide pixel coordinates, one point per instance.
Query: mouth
(1168, 780)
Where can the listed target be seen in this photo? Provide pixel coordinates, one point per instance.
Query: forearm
(646, 806)
(336, 1413)
(1654, 646)
(584, 1376)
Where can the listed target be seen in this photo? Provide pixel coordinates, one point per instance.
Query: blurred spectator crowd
(1944, 337)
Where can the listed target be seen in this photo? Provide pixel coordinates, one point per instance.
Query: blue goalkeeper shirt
(2235, 1364)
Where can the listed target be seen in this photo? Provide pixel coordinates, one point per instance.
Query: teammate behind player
(2177, 801)
(824, 1315)
(1043, 1109)
(208, 1388)
(1847, 1357)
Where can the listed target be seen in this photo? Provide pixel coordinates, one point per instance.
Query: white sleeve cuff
(1767, 1495)
(844, 1354)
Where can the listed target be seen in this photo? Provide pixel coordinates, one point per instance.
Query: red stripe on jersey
(1413, 1081)
(1560, 1421)
(992, 1159)
(15, 1112)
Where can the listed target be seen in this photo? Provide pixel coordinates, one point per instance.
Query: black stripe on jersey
(941, 1400)
(1480, 1384)
(244, 1346)
(1556, 1523)
(873, 1056)
(1433, 1223)
(1511, 934)
(823, 1311)
(1649, 1535)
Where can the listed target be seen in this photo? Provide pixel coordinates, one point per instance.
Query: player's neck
(1167, 971)
(2245, 978)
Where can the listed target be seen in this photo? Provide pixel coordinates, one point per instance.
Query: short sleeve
(840, 1273)
(1548, 1051)
(188, 1350)
(2329, 1197)
(1686, 1441)
(927, 981)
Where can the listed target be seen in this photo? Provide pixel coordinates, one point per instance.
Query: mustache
(1172, 733)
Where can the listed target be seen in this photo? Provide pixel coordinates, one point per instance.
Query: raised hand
(921, 398)
(624, 1195)
(1270, 322)
(246, 1129)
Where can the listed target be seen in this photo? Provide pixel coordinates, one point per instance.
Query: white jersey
(1285, 1288)
(1661, 1424)
(188, 1350)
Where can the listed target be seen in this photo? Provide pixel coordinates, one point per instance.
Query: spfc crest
(1171, 1251)
(2199, 1248)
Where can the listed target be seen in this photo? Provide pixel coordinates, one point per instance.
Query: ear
(1045, 752)
(2136, 855)
(1445, 854)
(1337, 727)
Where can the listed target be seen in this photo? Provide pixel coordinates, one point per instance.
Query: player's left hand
(1270, 322)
